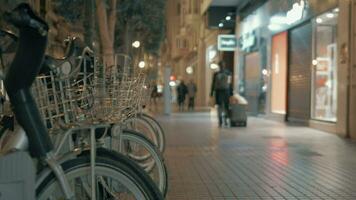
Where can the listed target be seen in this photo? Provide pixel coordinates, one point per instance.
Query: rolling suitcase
(238, 116)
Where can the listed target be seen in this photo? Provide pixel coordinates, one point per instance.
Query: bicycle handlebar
(22, 73)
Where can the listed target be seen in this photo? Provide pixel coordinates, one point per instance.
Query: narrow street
(266, 160)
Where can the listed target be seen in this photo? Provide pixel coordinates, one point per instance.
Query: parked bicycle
(90, 175)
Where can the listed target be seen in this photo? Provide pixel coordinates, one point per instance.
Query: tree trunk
(127, 39)
(89, 24)
(106, 23)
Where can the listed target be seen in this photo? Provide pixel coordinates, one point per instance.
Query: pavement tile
(266, 160)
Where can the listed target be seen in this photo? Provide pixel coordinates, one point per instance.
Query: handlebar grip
(31, 47)
(23, 16)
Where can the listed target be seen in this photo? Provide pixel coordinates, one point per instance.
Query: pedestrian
(154, 94)
(192, 90)
(2, 102)
(182, 92)
(222, 90)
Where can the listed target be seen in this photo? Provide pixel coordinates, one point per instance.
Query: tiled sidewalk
(266, 160)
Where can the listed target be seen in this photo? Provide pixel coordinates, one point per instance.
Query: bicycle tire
(145, 129)
(154, 154)
(158, 129)
(123, 168)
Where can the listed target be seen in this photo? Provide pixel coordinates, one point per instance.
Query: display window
(324, 67)
(279, 73)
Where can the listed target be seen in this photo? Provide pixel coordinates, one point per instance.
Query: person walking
(222, 90)
(182, 92)
(154, 94)
(2, 102)
(192, 90)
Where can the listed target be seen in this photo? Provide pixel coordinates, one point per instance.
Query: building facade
(191, 46)
(294, 63)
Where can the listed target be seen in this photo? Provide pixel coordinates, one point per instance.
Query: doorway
(299, 73)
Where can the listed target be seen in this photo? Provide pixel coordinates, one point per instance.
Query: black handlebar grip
(21, 74)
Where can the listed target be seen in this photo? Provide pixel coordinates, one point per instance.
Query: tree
(143, 19)
(106, 22)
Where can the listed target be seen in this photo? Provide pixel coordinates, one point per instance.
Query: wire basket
(116, 90)
(63, 102)
(98, 93)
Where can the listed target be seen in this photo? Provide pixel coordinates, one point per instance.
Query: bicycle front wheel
(114, 180)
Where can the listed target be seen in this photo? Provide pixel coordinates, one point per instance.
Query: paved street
(266, 160)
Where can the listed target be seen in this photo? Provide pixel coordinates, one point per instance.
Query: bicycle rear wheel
(116, 179)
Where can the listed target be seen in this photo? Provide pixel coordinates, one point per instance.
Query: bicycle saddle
(63, 66)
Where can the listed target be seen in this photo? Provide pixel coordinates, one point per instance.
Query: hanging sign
(227, 42)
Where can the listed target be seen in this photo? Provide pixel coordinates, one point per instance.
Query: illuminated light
(172, 78)
(228, 18)
(314, 62)
(328, 84)
(159, 88)
(296, 13)
(264, 88)
(214, 66)
(142, 64)
(212, 54)
(221, 25)
(172, 83)
(319, 20)
(336, 10)
(265, 72)
(330, 15)
(274, 27)
(189, 70)
(136, 44)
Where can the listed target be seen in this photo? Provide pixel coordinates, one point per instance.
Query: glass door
(324, 72)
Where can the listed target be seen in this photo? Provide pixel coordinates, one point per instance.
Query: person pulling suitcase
(221, 88)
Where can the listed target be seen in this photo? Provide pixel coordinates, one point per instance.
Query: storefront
(252, 65)
(289, 49)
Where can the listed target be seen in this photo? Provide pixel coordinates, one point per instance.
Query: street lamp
(136, 44)
(141, 64)
(189, 70)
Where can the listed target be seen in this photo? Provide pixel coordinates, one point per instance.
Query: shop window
(279, 73)
(324, 70)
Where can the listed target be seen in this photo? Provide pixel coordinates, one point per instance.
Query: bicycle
(53, 90)
(59, 102)
(74, 178)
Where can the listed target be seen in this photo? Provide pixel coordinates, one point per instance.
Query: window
(185, 44)
(178, 9)
(178, 42)
(324, 71)
(196, 6)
